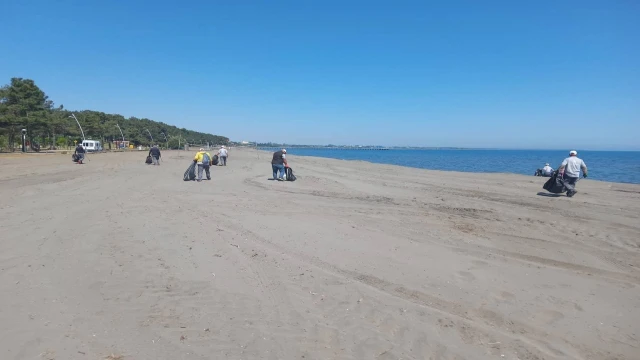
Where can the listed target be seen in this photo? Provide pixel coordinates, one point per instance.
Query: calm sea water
(615, 166)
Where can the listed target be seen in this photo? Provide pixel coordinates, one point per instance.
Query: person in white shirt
(570, 170)
(547, 170)
(223, 153)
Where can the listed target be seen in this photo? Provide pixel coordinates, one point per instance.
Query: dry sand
(352, 261)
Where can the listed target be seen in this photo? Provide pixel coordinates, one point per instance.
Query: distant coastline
(353, 147)
(269, 146)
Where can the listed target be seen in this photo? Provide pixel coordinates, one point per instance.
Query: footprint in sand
(548, 317)
(503, 296)
(480, 264)
(465, 276)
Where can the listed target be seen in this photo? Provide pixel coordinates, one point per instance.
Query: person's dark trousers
(277, 168)
(570, 184)
(223, 161)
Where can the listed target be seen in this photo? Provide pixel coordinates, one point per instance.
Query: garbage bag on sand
(148, 161)
(555, 184)
(74, 157)
(288, 173)
(190, 174)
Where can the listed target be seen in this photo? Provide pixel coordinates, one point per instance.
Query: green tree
(3, 142)
(24, 105)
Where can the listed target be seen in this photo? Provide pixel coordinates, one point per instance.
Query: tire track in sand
(481, 320)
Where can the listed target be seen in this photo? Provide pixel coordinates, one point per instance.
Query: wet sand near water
(352, 261)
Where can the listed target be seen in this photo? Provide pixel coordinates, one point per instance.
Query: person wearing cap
(547, 170)
(203, 160)
(222, 155)
(570, 170)
(278, 164)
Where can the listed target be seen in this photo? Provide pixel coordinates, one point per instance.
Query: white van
(92, 145)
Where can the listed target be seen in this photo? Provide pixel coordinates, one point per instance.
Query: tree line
(23, 105)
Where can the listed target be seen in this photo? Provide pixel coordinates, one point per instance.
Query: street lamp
(78, 122)
(165, 138)
(118, 126)
(24, 137)
(150, 134)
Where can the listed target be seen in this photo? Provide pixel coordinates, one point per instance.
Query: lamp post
(118, 126)
(150, 135)
(24, 140)
(165, 139)
(78, 122)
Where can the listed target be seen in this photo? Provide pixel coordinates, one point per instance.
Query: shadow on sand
(549, 194)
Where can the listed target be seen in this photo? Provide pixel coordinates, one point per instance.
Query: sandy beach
(115, 258)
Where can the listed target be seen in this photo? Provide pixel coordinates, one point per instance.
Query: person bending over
(80, 151)
(278, 164)
(154, 152)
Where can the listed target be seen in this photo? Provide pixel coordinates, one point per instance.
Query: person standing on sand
(570, 170)
(203, 160)
(222, 154)
(278, 164)
(154, 152)
(80, 151)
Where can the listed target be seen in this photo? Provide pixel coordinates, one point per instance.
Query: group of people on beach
(569, 171)
(204, 161)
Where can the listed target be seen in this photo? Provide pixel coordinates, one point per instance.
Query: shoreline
(293, 155)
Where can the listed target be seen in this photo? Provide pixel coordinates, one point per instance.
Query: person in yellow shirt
(203, 160)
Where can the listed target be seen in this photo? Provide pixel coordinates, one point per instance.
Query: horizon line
(434, 147)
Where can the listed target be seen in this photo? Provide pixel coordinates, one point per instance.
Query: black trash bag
(215, 160)
(74, 157)
(190, 174)
(148, 161)
(288, 172)
(555, 184)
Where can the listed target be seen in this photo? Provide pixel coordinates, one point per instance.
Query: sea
(613, 166)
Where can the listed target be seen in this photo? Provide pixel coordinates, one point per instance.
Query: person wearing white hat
(547, 170)
(203, 160)
(570, 170)
(278, 164)
(223, 153)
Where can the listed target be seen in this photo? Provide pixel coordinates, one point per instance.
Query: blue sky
(510, 74)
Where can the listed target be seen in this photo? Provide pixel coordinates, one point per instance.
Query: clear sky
(510, 74)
